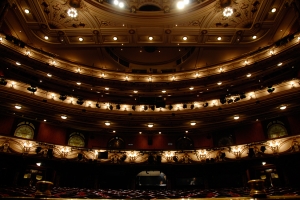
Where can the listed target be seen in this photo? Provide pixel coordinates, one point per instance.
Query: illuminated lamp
(107, 123)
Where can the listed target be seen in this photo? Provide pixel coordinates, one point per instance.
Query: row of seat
(67, 192)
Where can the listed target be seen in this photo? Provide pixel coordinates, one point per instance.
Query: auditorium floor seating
(67, 192)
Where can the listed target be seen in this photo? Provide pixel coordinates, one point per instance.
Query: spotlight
(80, 101)
(270, 89)
(223, 99)
(205, 104)
(118, 106)
(192, 106)
(152, 107)
(230, 101)
(38, 150)
(145, 107)
(111, 107)
(170, 107)
(32, 89)
(63, 97)
(133, 107)
(98, 105)
(237, 99)
(184, 106)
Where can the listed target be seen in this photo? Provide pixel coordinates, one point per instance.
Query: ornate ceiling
(196, 60)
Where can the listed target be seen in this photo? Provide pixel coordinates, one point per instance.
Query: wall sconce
(132, 156)
(169, 156)
(64, 152)
(26, 148)
(237, 152)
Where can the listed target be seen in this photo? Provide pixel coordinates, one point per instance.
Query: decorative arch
(76, 139)
(116, 143)
(25, 129)
(184, 143)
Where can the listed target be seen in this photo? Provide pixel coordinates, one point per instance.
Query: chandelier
(72, 12)
(227, 12)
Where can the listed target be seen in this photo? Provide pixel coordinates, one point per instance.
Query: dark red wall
(58, 135)
(6, 124)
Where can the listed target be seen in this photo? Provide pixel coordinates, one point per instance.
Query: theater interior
(149, 99)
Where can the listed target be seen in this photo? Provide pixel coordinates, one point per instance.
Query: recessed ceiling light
(18, 107)
(279, 64)
(150, 125)
(80, 39)
(64, 117)
(219, 38)
(106, 88)
(248, 75)
(17, 63)
(159, 132)
(184, 38)
(26, 11)
(191, 88)
(219, 83)
(78, 83)
(193, 123)
(186, 131)
(45, 120)
(273, 10)
(50, 75)
(140, 132)
(115, 38)
(163, 91)
(114, 131)
(116, 2)
(282, 107)
(150, 38)
(107, 123)
(236, 117)
(186, 2)
(254, 37)
(46, 37)
(135, 91)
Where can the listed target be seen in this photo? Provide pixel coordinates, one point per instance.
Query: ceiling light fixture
(121, 4)
(193, 123)
(64, 117)
(72, 12)
(273, 10)
(191, 88)
(248, 75)
(184, 38)
(150, 125)
(236, 117)
(18, 107)
(115, 38)
(227, 12)
(46, 37)
(17, 63)
(27, 11)
(163, 91)
(219, 83)
(107, 123)
(219, 38)
(150, 38)
(135, 91)
(282, 107)
(180, 4)
(80, 39)
(254, 37)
